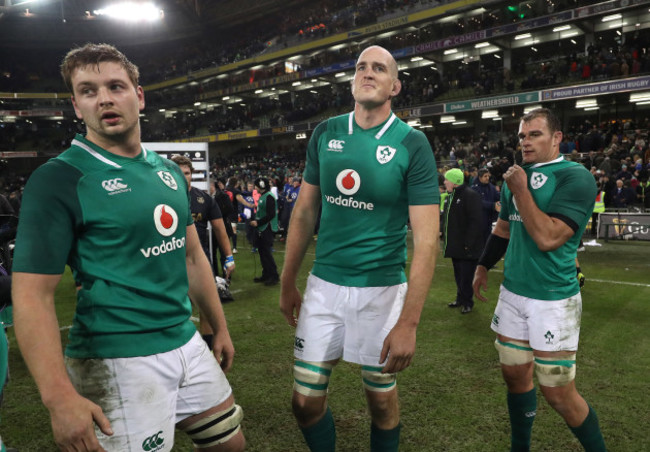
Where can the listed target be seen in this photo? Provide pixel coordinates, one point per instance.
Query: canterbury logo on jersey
(115, 186)
(153, 443)
(335, 145)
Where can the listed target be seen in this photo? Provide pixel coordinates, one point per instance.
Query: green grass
(452, 397)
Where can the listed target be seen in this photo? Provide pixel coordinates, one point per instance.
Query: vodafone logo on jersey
(166, 221)
(348, 182)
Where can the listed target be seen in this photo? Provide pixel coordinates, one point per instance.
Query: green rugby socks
(589, 433)
(522, 409)
(384, 440)
(321, 437)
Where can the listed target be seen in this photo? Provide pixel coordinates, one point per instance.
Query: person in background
(462, 241)
(265, 226)
(205, 210)
(490, 203)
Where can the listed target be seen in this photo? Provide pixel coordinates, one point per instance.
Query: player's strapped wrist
(494, 250)
(230, 261)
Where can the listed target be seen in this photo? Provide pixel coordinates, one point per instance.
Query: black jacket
(463, 214)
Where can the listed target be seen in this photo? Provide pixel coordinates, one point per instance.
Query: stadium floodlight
(586, 103)
(450, 51)
(481, 44)
(259, 91)
(296, 84)
(530, 108)
(489, 114)
(640, 97)
(561, 28)
(524, 36)
(416, 58)
(447, 118)
(612, 17)
(458, 123)
(132, 12)
(339, 74)
(592, 108)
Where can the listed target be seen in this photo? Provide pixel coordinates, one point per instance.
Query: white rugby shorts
(144, 397)
(548, 325)
(350, 322)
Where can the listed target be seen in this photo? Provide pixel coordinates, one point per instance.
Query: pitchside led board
(197, 152)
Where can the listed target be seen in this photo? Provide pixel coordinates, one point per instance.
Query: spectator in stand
(622, 196)
(624, 174)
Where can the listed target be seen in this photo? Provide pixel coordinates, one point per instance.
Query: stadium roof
(62, 23)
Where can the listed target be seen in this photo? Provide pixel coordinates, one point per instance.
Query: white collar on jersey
(100, 157)
(380, 133)
(537, 165)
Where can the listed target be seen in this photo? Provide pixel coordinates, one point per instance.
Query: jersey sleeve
(574, 195)
(312, 166)
(422, 172)
(49, 217)
(504, 212)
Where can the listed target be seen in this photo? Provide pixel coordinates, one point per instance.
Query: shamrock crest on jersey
(537, 180)
(385, 154)
(168, 179)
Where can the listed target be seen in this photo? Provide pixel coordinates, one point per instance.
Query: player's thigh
(320, 331)
(375, 311)
(204, 385)
(555, 325)
(509, 317)
(137, 395)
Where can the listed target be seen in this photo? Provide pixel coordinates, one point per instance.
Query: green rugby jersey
(120, 224)
(368, 179)
(561, 189)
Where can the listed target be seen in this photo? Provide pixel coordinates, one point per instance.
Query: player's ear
(397, 87)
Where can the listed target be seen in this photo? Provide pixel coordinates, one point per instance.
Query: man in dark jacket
(463, 238)
(489, 199)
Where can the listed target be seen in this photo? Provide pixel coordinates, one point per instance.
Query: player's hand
(290, 301)
(223, 349)
(229, 266)
(516, 179)
(399, 348)
(480, 282)
(73, 422)
(253, 223)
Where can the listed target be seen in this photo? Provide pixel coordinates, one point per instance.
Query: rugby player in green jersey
(135, 367)
(372, 173)
(545, 206)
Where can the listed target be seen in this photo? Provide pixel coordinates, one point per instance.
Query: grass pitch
(452, 396)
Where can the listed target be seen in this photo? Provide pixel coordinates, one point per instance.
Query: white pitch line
(604, 281)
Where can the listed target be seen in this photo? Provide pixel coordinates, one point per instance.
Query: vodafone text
(164, 247)
(349, 202)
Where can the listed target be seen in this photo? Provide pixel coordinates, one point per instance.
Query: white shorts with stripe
(548, 325)
(145, 396)
(349, 322)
